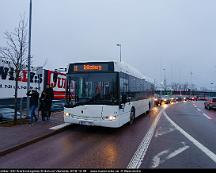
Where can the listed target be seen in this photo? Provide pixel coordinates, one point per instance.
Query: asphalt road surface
(182, 135)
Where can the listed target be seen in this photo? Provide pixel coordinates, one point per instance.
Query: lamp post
(120, 50)
(212, 86)
(164, 79)
(191, 87)
(29, 51)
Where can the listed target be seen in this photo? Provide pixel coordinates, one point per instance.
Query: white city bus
(108, 94)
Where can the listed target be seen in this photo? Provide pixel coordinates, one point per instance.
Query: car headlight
(110, 117)
(67, 114)
(155, 99)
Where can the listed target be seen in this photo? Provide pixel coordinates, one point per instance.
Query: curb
(30, 142)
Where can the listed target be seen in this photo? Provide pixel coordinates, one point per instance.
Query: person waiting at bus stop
(50, 93)
(46, 102)
(34, 96)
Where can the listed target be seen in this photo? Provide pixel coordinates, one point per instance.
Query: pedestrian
(46, 102)
(43, 105)
(50, 95)
(34, 96)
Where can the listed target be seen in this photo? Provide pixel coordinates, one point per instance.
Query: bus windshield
(91, 88)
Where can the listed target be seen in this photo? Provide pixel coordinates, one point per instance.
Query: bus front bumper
(98, 122)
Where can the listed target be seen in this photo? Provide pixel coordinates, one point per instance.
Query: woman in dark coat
(44, 107)
(46, 102)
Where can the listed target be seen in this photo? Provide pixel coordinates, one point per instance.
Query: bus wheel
(132, 116)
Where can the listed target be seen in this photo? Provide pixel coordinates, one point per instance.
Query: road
(182, 135)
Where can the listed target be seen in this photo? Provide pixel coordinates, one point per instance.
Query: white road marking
(60, 126)
(204, 149)
(138, 156)
(207, 116)
(157, 159)
(204, 114)
(178, 151)
(161, 132)
(199, 109)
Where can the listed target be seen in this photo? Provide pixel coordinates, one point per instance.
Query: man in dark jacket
(34, 96)
(46, 101)
(51, 96)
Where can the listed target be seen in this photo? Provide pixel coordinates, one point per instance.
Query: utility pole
(191, 83)
(165, 85)
(29, 52)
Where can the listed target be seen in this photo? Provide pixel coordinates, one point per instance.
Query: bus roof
(126, 68)
(121, 67)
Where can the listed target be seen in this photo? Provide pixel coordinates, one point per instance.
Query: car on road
(179, 98)
(182, 98)
(185, 98)
(211, 103)
(165, 99)
(8, 114)
(157, 100)
(172, 99)
(193, 98)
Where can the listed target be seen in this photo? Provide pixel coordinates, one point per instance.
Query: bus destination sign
(92, 67)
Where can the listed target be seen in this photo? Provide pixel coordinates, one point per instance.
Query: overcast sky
(177, 35)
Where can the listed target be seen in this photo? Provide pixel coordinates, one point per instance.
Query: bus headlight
(110, 117)
(66, 114)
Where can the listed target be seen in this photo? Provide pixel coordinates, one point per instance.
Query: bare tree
(15, 52)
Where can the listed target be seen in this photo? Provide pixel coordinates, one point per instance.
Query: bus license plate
(87, 123)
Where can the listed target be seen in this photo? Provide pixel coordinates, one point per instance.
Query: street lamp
(164, 79)
(212, 86)
(120, 50)
(29, 52)
(191, 87)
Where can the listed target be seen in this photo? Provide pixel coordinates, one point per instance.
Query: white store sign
(7, 80)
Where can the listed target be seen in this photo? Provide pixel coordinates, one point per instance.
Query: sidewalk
(15, 137)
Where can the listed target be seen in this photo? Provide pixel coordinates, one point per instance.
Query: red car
(193, 98)
(210, 104)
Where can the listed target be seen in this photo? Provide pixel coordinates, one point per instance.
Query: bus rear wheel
(132, 116)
